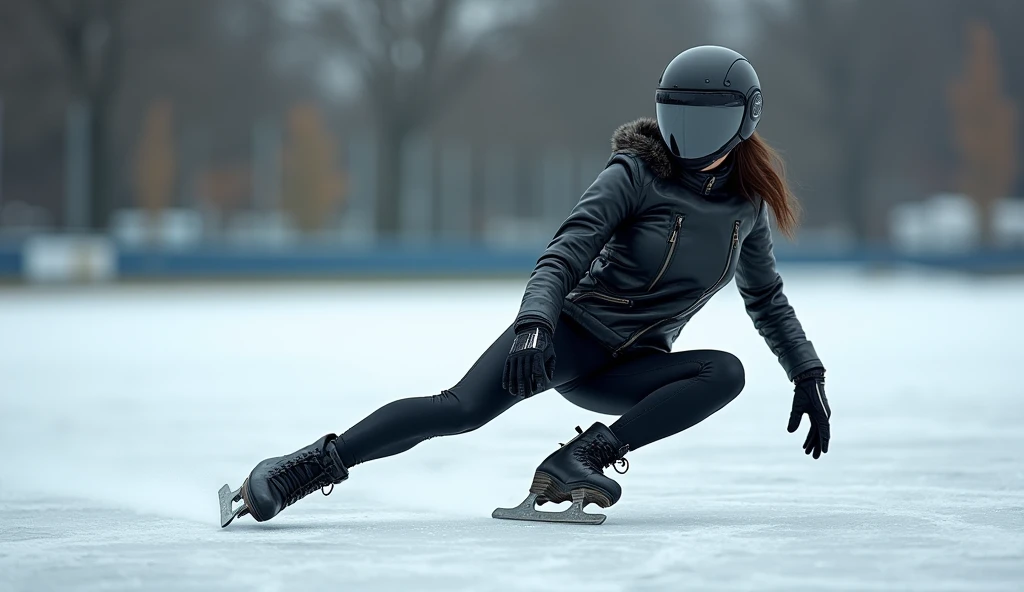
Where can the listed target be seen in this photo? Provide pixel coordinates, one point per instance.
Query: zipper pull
(736, 232)
(709, 185)
(675, 230)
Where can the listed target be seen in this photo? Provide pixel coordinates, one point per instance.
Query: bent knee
(728, 370)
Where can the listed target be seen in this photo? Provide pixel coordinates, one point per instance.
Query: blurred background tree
(156, 162)
(985, 126)
(846, 97)
(313, 185)
(226, 187)
(412, 59)
(89, 35)
(857, 95)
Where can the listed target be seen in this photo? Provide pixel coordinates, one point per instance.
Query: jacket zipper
(703, 297)
(601, 296)
(707, 186)
(671, 251)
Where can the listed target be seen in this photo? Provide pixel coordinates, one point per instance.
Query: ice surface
(124, 409)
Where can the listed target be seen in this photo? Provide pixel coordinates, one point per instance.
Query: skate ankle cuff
(331, 461)
(621, 448)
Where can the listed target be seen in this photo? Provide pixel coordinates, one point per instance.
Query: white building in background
(1008, 224)
(170, 229)
(61, 258)
(951, 222)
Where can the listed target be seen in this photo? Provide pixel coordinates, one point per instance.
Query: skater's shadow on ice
(672, 520)
(287, 526)
(692, 521)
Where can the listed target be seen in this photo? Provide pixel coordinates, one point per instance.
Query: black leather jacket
(648, 245)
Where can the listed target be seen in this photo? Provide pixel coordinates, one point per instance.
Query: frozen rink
(124, 409)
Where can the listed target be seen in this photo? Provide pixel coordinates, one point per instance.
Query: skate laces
(301, 476)
(599, 453)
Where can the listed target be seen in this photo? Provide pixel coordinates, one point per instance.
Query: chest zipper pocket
(708, 293)
(709, 185)
(599, 296)
(669, 251)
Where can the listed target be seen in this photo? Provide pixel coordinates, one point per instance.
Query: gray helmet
(708, 101)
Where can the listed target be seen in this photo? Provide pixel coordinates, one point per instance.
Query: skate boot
(279, 482)
(574, 472)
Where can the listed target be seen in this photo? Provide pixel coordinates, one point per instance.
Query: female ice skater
(680, 209)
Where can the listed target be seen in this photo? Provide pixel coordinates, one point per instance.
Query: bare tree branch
(111, 62)
(68, 30)
(432, 31)
(411, 64)
(59, 23)
(49, 10)
(342, 30)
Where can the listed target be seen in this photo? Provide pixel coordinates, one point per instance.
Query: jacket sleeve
(610, 200)
(761, 287)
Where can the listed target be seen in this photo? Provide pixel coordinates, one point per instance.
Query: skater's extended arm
(612, 198)
(761, 287)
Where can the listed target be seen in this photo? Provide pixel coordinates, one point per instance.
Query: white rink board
(124, 409)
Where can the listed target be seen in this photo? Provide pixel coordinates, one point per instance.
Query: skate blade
(527, 511)
(227, 498)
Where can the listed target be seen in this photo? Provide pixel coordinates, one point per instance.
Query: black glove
(809, 398)
(530, 366)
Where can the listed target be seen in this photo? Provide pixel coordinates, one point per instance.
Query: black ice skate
(277, 483)
(574, 473)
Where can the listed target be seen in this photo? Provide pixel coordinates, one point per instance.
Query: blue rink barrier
(468, 261)
(480, 261)
(980, 261)
(382, 262)
(10, 262)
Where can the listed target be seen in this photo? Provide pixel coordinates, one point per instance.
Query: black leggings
(657, 394)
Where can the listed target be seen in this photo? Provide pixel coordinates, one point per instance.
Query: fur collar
(641, 137)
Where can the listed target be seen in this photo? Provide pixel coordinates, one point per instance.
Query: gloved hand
(809, 398)
(530, 366)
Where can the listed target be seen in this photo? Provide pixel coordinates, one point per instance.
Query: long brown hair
(762, 173)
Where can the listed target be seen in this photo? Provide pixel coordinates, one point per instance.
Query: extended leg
(474, 401)
(398, 426)
(402, 424)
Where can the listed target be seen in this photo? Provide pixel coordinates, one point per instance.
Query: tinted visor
(698, 124)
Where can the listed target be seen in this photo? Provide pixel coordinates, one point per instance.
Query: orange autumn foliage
(985, 126)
